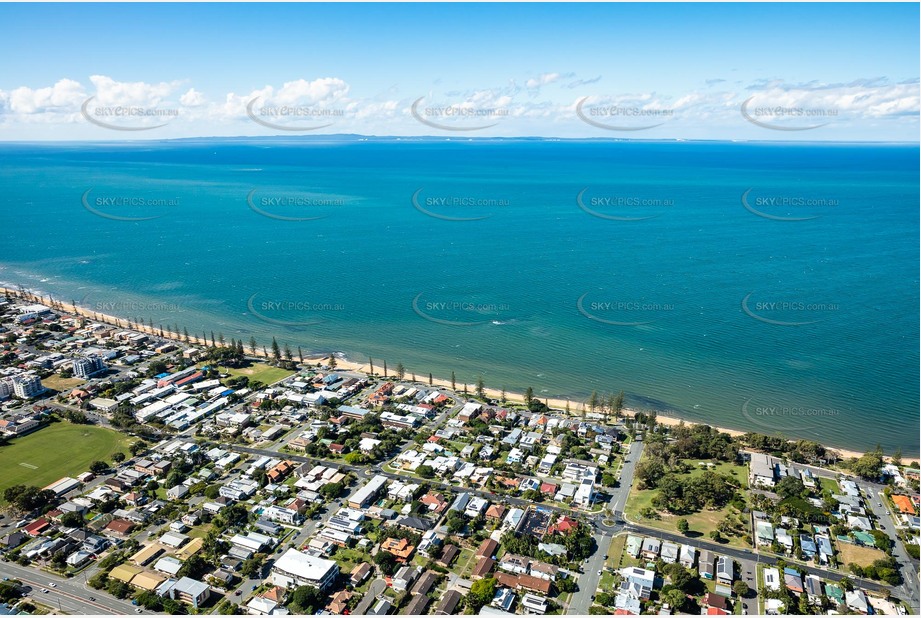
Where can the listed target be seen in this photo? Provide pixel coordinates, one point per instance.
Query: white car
(52, 584)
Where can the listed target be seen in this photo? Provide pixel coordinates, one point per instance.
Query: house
(448, 603)
(414, 523)
(503, 599)
(359, 573)
(717, 601)
(633, 545)
(187, 590)
(793, 580)
(425, 583)
(808, 546)
(564, 525)
(436, 502)
(487, 548)
(483, 567)
(771, 578)
(404, 578)
(119, 527)
(640, 580)
(448, 554)
(669, 552)
(533, 603)
(400, 548)
(417, 605)
(650, 550)
(761, 470)
(856, 600)
(523, 582)
(687, 556)
(813, 588)
(364, 496)
(514, 563)
(725, 570)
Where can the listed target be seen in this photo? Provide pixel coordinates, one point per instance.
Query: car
(92, 598)
(237, 593)
(599, 571)
(45, 590)
(138, 610)
(52, 584)
(254, 586)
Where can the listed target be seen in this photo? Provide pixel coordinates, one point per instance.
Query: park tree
(682, 525)
(27, 497)
(118, 457)
(98, 467)
(307, 600)
(789, 487)
(868, 466)
(481, 593)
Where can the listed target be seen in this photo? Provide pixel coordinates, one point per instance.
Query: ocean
(770, 287)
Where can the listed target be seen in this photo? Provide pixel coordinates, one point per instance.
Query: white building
(296, 568)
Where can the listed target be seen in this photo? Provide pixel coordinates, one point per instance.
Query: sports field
(61, 449)
(259, 372)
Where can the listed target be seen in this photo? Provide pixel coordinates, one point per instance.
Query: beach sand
(576, 407)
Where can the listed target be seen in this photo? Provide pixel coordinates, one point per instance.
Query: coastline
(349, 365)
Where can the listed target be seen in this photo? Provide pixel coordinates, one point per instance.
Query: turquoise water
(636, 285)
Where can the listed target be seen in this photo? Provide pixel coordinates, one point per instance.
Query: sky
(776, 71)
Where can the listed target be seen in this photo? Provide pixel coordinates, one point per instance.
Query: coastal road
(69, 596)
(591, 575)
(622, 491)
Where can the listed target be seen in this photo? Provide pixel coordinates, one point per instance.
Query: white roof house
(296, 568)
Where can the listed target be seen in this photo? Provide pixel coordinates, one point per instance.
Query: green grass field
(259, 372)
(701, 523)
(57, 383)
(59, 450)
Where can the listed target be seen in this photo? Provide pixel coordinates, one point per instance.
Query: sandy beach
(576, 407)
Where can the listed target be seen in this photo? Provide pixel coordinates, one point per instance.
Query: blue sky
(656, 71)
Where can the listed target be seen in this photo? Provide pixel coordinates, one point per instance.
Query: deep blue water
(638, 285)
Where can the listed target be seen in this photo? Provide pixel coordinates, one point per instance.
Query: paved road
(909, 588)
(588, 581)
(377, 587)
(68, 595)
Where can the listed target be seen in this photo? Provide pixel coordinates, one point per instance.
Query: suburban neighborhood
(147, 470)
